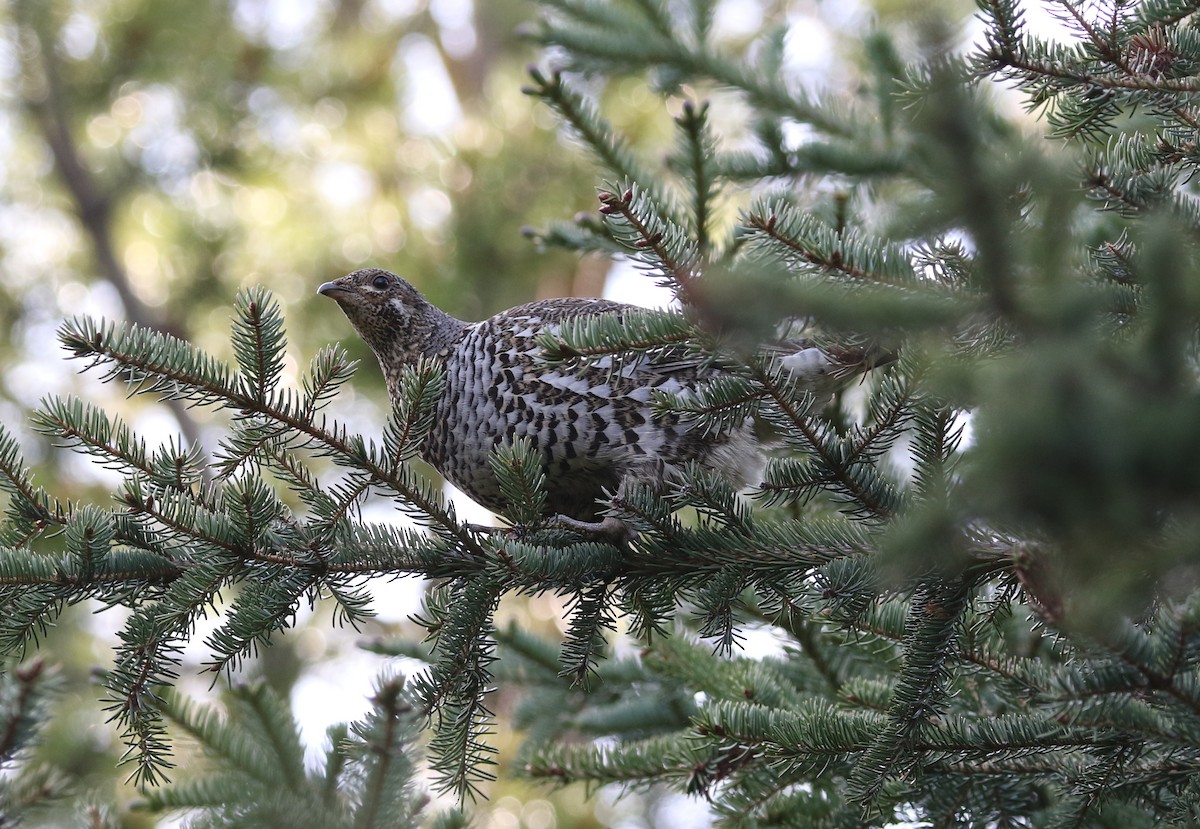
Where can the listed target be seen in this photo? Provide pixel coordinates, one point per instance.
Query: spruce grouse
(592, 426)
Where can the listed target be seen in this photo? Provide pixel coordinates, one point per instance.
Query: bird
(591, 426)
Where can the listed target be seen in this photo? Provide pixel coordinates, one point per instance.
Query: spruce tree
(981, 561)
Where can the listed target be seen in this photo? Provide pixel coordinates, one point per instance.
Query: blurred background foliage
(156, 155)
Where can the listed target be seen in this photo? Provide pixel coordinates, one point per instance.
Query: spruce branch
(277, 732)
(703, 12)
(657, 14)
(918, 695)
(655, 240)
(962, 685)
(81, 425)
(259, 777)
(638, 506)
(236, 747)
(154, 363)
(581, 115)
(379, 748)
(722, 403)
(596, 36)
(585, 234)
(597, 337)
(421, 386)
(831, 462)
(28, 504)
(637, 762)
(1120, 66)
(557, 562)
(938, 434)
(590, 612)
(829, 250)
(760, 683)
(146, 663)
(25, 694)
(264, 606)
(23, 691)
(697, 156)
(1162, 12)
(522, 480)
(715, 611)
(329, 370)
(258, 341)
(191, 539)
(453, 691)
(714, 499)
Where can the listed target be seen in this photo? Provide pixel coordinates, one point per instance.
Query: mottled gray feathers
(592, 426)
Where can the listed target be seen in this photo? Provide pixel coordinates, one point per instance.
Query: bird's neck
(441, 334)
(434, 335)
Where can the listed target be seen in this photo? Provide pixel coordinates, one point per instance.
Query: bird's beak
(331, 289)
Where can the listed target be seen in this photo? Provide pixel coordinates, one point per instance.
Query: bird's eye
(380, 283)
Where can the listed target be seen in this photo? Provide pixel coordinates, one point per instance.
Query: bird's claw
(485, 529)
(609, 529)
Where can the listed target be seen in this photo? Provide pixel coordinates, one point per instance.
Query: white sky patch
(626, 282)
(1039, 22)
(456, 22)
(759, 641)
(283, 24)
(467, 510)
(847, 15)
(808, 49)
(34, 240)
(679, 811)
(342, 183)
(195, 649)
(737, 18)
(167, 148)
(80, 35)
(429, 102)
(796, 134)
(332, 691)
(429, 207)
(157, 426)
(106, 622)
(394, 9)
(966, 422)
(393, 599)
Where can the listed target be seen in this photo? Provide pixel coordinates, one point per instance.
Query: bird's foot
(610, 529)
(486, 529)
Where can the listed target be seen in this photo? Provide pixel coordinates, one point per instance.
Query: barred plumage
(592, 426)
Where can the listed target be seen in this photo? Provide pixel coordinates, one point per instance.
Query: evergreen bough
(999, 628)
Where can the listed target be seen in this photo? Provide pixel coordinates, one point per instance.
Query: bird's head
(391, 315)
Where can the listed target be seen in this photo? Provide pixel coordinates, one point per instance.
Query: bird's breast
(590, 425)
